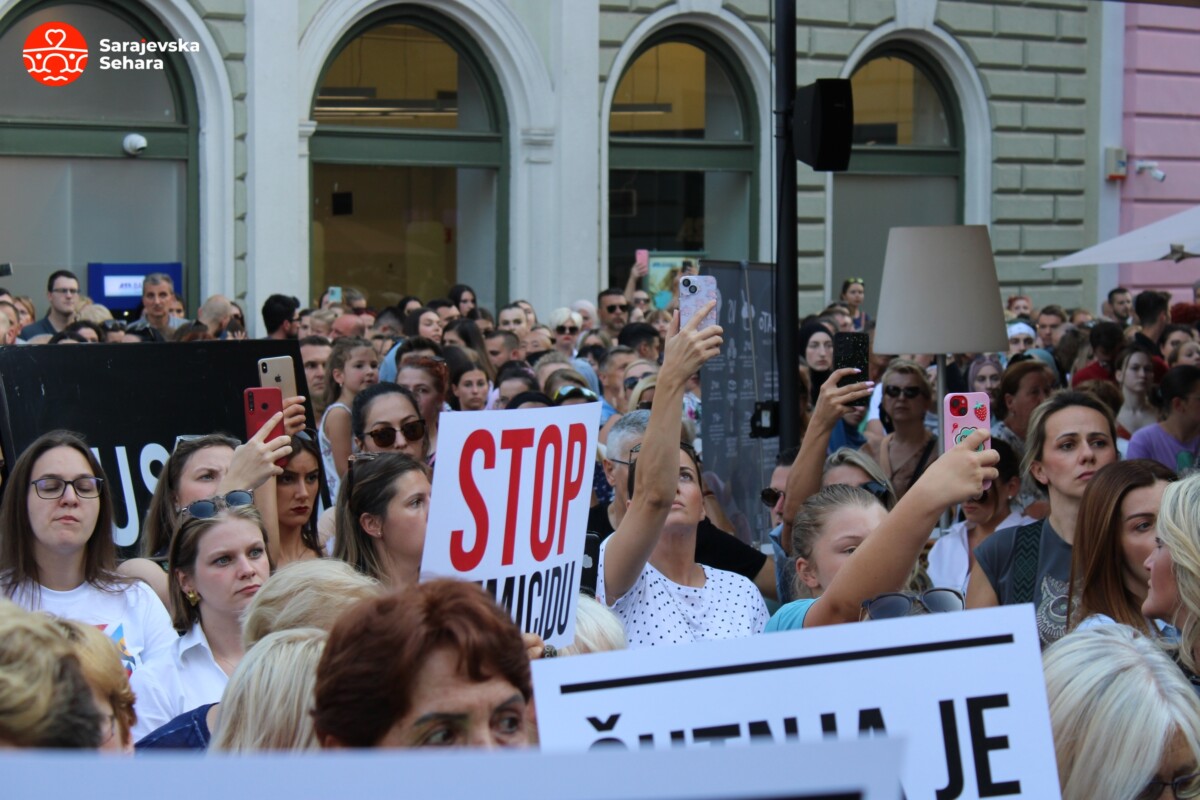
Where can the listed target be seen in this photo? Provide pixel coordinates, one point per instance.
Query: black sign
(744, 374)
(130, 402)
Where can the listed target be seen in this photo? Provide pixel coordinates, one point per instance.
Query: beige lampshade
(939, 293)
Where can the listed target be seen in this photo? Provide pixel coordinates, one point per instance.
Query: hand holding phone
(851, 350)
(278, 372)
(963, 414)
(695, 291)
(259, 405)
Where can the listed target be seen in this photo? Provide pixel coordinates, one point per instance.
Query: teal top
(790, 617)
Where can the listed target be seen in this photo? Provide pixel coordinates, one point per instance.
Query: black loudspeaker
(823, 124)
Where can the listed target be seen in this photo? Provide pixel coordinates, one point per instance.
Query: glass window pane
(676, 90)
(895, 103)
(402, 76)
(98, 95)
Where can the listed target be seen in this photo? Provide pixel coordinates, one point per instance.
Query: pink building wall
(1161, 123)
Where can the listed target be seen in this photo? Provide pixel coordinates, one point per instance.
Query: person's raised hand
(641, 270)
(960, 473)
(688, 347)
(293, 415)
(835, 402)
(253, 463)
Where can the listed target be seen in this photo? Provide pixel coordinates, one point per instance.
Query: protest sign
(828, 771)
(509, 509)
(130, 401)
(965, 691)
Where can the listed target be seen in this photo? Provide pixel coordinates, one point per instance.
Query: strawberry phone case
(694, 292)
(965, 413)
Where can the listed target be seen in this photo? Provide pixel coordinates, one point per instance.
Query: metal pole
(787, 307)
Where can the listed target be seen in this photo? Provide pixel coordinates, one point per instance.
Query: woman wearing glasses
(386, 418)
(566, 325)
(57, 553)
(854, 292)
(218, 562)
(905, 453)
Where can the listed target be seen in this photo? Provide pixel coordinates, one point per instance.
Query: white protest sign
(829, 771)
(509, 509)
(964, 690)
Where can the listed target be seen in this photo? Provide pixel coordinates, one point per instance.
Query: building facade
(529, 147)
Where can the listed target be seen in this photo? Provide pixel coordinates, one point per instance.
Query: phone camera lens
(693, 288)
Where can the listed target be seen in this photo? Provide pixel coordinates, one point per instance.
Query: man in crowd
(447, 312)
(62, 290)
(614, 310)
(643, 339)
(158, 292)
(612, 376)
(314, 353)
(281, 315)
(1049, 326)
(502, 347)
(512, 318)
(1120, 301)
(216, 314)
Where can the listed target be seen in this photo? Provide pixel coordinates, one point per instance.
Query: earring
(193, 598)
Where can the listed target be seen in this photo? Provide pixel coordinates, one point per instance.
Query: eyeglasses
(65, 291)
(571, 329)
(612, 309)
(413, 431)
(634, 380)
(111, 325)
(893, 605)
(770, 496)
(1186, 786)
(574, 392)
(909, 392)
(85, 486)
(207, 509)
(641, 301)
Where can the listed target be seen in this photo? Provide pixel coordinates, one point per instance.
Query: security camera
(1151, 167)
(134, 144)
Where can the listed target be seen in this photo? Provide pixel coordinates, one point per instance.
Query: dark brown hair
(368, 488)
(1097, 559)
(1010, 383)
(375, 653)
(17, 561)
(161, 516)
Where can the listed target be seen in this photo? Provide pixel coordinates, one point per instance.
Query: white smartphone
(278, 372)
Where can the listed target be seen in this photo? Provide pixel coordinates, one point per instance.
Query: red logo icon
(55, 54)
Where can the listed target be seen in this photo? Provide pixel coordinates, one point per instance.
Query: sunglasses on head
(572, 393)
(612, 309)
(770, 496)
(909, 392)
(413, 431)
(893, 605)
(207, 509)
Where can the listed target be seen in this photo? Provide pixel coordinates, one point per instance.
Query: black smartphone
(852, 349)
(590, 573)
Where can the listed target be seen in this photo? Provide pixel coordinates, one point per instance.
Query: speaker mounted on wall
(823, 124)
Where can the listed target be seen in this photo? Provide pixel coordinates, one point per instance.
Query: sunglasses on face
(893, 605)
(413, 431)
(571, 329)
(612, 309)
(207, 509)
(87, 487)
(770, 496)
(633, 380)
(641, 301)
(909, 392)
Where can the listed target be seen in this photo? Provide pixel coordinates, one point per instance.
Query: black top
(714, 547)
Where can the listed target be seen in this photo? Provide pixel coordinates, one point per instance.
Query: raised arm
(883, 562)
(636, 273)
(804, 479)
(253, 467)
(630, 546)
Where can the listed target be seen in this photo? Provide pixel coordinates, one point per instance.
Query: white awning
(1175, 238)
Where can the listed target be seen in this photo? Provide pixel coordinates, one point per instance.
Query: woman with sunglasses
(57, 553)
(387, 419)
(854, 293)
(297, 492)
(566, 325)
(1071, 436)
(218, 562)
(427, 378)
(910, 448)
(951, 558)
(381, 516)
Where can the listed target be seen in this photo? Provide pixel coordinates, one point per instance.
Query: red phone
(259, 405)
(963, 414)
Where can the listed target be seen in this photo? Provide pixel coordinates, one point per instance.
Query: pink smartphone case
(963, 413)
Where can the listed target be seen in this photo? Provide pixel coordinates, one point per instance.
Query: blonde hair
(597, 629)
(1179, 529)
(561, 316)
(268, 702)
(100, 661)
(1117, 702)
(644, 385)
(813, 517)
(305, 594)
(901, 366)
(94, 313)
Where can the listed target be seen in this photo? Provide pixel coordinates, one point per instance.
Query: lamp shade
(939, 293)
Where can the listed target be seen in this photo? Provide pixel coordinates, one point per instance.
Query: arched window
(906, 166)
(408, 163)
(683, 153)
(62, 158)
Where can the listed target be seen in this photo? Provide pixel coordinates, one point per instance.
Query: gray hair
(629, 427)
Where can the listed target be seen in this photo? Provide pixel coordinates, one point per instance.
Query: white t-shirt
(949, 561)
(187, 679)
(132, 616)
(657, 611)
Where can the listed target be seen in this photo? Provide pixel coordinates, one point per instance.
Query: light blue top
(791, 616)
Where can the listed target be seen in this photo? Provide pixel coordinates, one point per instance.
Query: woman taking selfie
(1114, 536)
(218, 563)
(57, 553)
(1071, 436)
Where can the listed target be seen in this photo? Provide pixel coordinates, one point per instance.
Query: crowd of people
(253, 619)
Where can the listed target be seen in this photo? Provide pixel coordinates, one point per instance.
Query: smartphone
(963, 414)
(851, 349)
(641, 258)
(694, 292)
(590, 573)
(279, 372)
(335, 294)
(259, 405)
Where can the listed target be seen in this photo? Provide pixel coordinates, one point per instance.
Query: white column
(277, 246)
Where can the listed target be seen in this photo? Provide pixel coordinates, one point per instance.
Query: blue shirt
(188, 731)
(790, 617)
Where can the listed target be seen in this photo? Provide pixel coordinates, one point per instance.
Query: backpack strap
(1026, 551)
